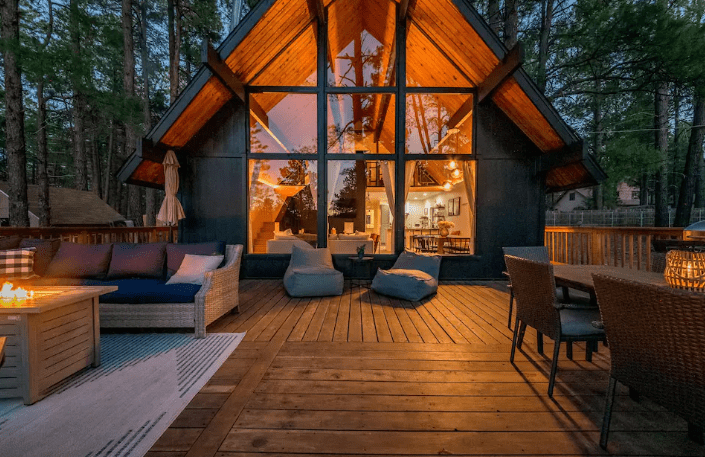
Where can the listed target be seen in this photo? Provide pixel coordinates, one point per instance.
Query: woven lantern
(685, 270)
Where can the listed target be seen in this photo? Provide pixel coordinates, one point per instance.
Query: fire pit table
(52, 332)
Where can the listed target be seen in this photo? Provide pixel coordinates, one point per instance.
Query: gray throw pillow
(408, 260)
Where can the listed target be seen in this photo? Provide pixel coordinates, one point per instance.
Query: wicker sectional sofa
(218, 296)
(140, 271)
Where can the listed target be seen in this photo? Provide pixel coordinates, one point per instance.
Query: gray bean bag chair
(413, 277)
(311, 273)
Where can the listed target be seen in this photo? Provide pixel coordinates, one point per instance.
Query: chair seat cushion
(315, 281)
(412, 285)
(578, 322)
(145, 291)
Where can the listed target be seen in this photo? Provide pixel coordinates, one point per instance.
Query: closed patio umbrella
(171, 210)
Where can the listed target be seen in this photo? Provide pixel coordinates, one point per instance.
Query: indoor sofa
(142, 272)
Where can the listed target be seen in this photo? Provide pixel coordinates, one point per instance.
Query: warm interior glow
(8, 293)
(456, 173)
(452, 165)
(447, 185)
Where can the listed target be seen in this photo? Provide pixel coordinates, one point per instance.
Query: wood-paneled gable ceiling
(446, 47)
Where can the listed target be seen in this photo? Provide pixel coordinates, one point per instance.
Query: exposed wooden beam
(509, 65)
(317, 10)
(403, 9)
(212, 60)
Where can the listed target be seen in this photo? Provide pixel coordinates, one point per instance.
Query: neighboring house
(572, 199)
(291, 119)
(627, 195)
(69, 207)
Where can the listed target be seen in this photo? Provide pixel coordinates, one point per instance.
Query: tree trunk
(661, 143)
(42, 157)
(15, 147)
(79, 103)
(174, 25)
(699, 181)
(42, 147)
(695, 148)
(96, 184)
(546, 24)
(598, 138)
(511, 23)
(494, 18)
(150, 194)
(128, 84)
(109, 185)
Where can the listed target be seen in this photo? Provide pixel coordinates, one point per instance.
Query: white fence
(637, 217)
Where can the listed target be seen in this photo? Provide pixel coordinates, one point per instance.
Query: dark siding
(212, 180)
(510, 197)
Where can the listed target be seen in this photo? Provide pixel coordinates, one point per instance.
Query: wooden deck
(362, 374)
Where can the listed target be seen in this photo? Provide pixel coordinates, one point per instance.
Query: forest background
(83, 79)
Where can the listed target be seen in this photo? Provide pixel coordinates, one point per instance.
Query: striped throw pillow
(17, 263)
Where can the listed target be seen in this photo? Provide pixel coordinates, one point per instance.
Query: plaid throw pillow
(17, 263)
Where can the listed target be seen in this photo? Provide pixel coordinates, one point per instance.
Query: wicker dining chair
(535, 291)
(536, 253)
(656, 337)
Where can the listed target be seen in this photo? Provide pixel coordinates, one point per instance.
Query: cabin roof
(278, 34)
(70, 206)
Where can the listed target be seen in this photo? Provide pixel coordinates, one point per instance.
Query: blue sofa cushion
(137, 260)
(175, 253)
(145, 290)
(43, 254)
(74, 260)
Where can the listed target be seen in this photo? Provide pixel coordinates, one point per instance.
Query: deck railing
(628, 247)
(95, 235)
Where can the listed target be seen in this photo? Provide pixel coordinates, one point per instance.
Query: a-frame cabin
(345, 122)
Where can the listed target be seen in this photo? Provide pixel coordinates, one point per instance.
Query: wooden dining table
(579, 277)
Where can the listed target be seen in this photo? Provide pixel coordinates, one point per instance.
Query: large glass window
(361, 123)
(359, 192)
(360, 206)
(295, 65)
(282, 205)
(282, 122)
(440, 193)
(361, 43)
(423, 61)
(439, 123)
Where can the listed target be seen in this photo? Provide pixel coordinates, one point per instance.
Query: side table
(357, 264)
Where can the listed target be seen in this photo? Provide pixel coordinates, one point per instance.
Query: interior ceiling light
(456, 173)
(452, 165)
(446, 186)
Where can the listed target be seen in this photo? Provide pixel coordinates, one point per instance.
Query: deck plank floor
(363, 374)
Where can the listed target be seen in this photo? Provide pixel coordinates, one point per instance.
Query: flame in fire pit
(8, 293)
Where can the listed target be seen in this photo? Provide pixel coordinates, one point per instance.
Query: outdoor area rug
(122, 407)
